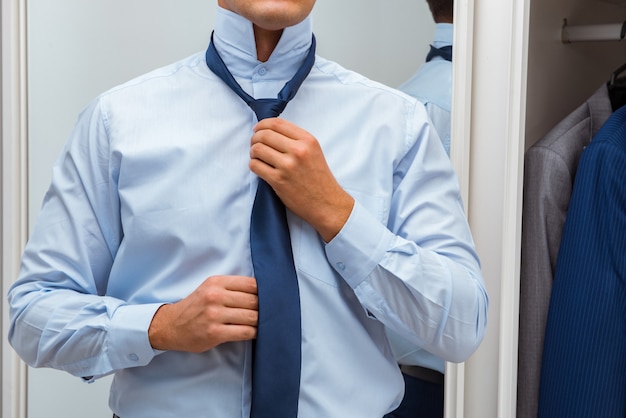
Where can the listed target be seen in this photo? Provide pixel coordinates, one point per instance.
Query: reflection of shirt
(432, 84)
(153, 193)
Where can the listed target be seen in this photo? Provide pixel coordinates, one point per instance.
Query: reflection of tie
(444, 52)
(277, 351)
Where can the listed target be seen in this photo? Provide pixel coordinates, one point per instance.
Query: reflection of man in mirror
(149, 259)
(432, 84)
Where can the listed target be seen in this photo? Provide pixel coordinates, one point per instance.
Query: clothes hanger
(617, 88)
(616, 73)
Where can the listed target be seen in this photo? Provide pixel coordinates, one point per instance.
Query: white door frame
(14, 208)
(498, 111)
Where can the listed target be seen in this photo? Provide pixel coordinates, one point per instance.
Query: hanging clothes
(583, 370)
(549, 170)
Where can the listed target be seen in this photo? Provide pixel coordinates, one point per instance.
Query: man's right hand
(221, 309)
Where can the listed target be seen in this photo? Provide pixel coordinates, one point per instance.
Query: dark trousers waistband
(423, 373)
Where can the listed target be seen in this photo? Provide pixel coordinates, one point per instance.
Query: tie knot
(263, 108)
(268, 108)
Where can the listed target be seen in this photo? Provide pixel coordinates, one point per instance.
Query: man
(432, 83)
(141, 265)
(423, 372)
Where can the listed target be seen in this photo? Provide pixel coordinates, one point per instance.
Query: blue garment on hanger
(584, 361)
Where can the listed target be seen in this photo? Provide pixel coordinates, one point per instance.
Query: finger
(244, 284)
(266, 155)
(284, 133)
(242, 300)
(271, 139)
(237, 316)
(281, 126)
(231, 332)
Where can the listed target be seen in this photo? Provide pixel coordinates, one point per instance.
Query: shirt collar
(444, 33)
(234, 40)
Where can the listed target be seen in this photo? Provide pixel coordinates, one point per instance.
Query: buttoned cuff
(359, 247)
(128, 344)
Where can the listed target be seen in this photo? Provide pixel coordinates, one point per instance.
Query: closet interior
(576, 80)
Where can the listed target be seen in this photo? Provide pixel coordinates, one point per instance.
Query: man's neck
(266, 41)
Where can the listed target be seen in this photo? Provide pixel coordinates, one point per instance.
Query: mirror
(78, 49)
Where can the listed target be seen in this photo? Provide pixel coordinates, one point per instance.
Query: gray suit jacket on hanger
(549, 169)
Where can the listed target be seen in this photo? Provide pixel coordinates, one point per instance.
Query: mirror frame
(460, 157)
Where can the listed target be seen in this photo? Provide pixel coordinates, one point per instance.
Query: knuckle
(289, 165)
(272, 123)
(254, 148)
(253, 317)
(210, 296)
(248, 333)
(211, 312)
(300, 151)
(253, 165)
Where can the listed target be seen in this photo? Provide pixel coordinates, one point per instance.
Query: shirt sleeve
(440, 119)
(59, 314)
(419, 274)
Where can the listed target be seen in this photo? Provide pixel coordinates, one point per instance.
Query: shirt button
(340, 266)
(262, 71)
(133, 357)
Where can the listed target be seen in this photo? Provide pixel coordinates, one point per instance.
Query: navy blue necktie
(444, 52)
(277, 349)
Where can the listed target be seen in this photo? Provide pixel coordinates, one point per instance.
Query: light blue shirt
(432, 85)
(152, 194)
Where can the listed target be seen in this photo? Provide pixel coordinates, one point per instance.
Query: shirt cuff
(359, 247)
(129, 345)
